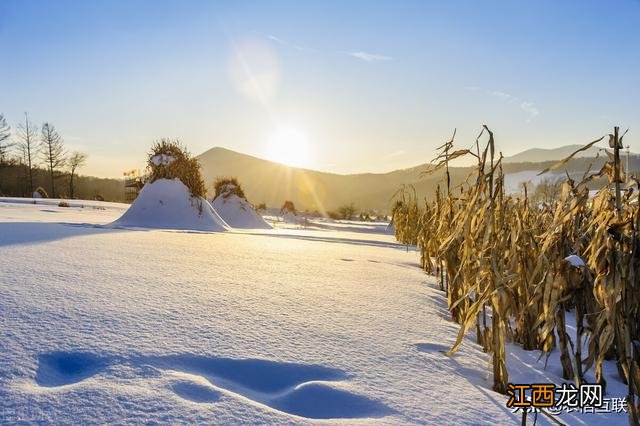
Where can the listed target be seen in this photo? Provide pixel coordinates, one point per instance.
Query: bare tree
(548, 191)
(76, 160)
(52, 152)
(28, 144)
(5, 133)
(347, 211)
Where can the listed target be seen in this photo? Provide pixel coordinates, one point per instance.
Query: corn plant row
(513, 268)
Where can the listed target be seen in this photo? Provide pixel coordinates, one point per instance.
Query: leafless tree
(347, 211)
(28, 144)
(53, 152)
(76, 160)
(548, 191)
(5, 133)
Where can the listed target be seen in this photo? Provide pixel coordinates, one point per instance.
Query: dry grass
(180, 164)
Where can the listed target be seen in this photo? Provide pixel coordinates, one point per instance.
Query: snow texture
(238, 212)
(284, 326)
(575, 260)
(292, 218)
(162, 159)
(168, 204)
(391, 229)
(513, 181)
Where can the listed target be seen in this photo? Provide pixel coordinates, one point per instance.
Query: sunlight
(289, 146)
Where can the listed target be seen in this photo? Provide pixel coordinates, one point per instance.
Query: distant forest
(35, 158)
(14, 182)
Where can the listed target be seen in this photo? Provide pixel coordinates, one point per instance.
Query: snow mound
(238, 212)
(290, 217)
(168, 204)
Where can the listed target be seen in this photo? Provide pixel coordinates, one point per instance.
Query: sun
(289, 146)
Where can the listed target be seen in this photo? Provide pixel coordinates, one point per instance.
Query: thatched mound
(231, 204)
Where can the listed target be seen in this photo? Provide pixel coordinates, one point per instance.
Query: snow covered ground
(332, 324)
(513, 181)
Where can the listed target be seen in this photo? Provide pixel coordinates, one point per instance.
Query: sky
(346, 87)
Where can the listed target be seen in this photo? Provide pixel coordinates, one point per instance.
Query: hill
(273, 183)
(537, 155)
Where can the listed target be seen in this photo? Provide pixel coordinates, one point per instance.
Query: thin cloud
(504, 96)
(277, 39)
(529, 108)
(394, 154)
(369, 57)
(284, 42)
(363, 56)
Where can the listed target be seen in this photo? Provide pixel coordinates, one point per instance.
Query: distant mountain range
(537, 155)
(272, 183)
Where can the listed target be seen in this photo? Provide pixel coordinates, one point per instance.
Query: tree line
(29, 150)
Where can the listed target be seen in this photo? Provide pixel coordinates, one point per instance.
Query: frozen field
(273, 326)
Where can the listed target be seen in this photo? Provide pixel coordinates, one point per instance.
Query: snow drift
(237, 212)
(168, 204)
(291, 217)
(390, 228)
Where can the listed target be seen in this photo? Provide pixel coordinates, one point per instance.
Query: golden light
(289, 146)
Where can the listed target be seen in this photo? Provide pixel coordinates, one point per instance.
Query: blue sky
(373, 86)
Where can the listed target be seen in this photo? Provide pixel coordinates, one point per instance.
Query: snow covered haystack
(40, 193)
(290, 217)
(234, 208)
(289, 213)
(173, 197)
(168, 204)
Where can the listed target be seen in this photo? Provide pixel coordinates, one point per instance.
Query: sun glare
(289, 146)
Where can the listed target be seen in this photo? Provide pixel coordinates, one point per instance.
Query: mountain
(272, 183)
(537, 155)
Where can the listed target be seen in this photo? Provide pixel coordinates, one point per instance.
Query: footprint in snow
(65, 368)
(299, 389)
(195, 392)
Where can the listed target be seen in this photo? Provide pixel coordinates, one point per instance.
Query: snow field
(282, 326)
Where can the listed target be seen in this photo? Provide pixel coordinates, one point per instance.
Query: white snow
(282, 326)
(162, 159)
(575, 260)
(290, 217)
(238, 212)
(391, 228)
(513, 181)
(167, 204)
